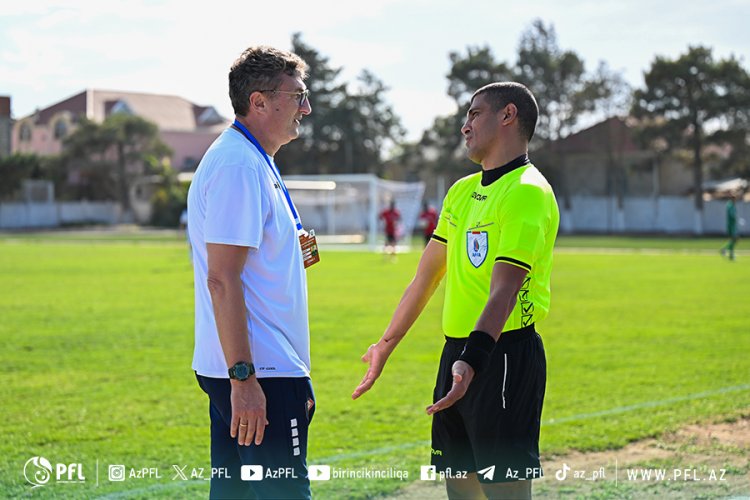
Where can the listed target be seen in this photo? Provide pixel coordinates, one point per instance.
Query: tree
(346, 131)
(612, 95)
(170, 199)
(319, 134)
(556, 77)
(86, 165)
(735, 129)
(16, 168)
(441, 147)
(137, 147)
(471, 71)
(369, 126)
(686, 97)
(564, 91)
(108, 156)
(612, 98)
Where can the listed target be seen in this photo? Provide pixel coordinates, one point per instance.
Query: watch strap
(233, 370)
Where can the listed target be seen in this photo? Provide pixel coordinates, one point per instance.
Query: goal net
(345, 208)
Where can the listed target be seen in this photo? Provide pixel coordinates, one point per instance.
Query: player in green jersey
(728, 249)
(493, 244)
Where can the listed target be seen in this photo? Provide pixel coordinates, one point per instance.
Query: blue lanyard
(276, 174)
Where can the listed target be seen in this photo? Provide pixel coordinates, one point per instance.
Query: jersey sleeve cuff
(439, 239)
(514, 262)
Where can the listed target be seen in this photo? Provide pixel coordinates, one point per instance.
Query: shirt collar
(490, 176)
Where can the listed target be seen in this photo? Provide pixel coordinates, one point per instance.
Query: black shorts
(497, 421)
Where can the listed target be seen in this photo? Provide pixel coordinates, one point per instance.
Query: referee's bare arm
(225, 264)
(430, 272)
(507, 280)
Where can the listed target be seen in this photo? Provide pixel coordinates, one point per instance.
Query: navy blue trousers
(290, 404)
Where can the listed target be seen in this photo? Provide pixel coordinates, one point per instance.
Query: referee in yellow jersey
(494, 242)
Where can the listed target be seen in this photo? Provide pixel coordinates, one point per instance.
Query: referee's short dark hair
(500, 94)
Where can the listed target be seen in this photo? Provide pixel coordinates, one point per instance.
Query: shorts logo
(476, 247)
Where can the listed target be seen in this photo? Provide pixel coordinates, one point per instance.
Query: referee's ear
(509, 113)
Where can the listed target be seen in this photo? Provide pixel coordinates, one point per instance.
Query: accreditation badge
(309, 245)
(476, 247)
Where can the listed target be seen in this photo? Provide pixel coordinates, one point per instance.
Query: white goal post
(345, 208)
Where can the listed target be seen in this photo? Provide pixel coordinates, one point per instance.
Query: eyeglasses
(302, 95)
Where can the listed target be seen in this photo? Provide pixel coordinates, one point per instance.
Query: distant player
(391, 216)
(728, 249)
(429, 218)
(494, 242)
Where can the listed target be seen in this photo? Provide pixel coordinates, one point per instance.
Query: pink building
(5, 125)
(186, 127)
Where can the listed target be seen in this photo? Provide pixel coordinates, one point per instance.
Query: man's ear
(257, 101)
(510, 111)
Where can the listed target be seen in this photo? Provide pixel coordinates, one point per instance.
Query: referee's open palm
(376, 357)
(463, 374)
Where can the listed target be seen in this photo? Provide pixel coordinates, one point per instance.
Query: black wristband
(477, 350)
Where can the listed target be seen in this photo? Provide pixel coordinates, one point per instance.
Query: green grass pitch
(96, 343)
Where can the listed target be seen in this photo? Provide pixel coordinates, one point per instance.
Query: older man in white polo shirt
(252, 342)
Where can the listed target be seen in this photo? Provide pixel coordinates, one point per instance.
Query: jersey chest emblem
(476, 247)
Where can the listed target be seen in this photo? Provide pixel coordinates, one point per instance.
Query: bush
(167, 205)
(14, 169)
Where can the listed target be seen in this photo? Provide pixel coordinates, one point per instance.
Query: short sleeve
(523, 219)
(234, 207)
(440, 233)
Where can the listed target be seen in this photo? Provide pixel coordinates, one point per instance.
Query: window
(210, 117)
(121, 107)
(24, 132)
(61, 129)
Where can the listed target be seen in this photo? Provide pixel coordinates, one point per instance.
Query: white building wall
(38, 215)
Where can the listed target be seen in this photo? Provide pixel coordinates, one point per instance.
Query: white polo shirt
(235, 199)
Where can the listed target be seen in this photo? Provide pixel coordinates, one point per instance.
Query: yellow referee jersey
(514, 220)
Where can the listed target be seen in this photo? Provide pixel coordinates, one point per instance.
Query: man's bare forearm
(506, 282)
(231, 318)
(429, 273)
(497, 311)
(412, 303)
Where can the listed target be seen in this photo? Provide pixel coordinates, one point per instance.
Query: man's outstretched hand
(376, 356)
(463, 374)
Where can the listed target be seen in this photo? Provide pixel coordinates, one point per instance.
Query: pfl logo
(38, 472)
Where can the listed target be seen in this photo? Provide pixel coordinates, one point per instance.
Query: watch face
(241, 371)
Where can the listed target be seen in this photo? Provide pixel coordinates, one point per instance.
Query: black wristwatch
(241, 371)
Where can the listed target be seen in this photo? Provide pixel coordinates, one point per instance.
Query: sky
(52, 50)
